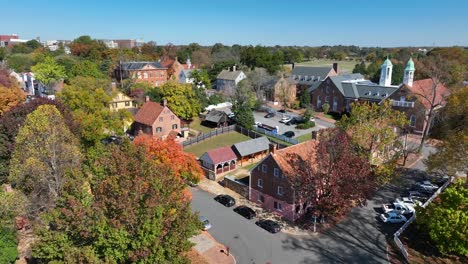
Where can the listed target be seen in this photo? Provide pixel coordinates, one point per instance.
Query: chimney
(272, 148)
(113, 86)
(234, 68)
(147, 99)
(164, 102)
(315, 135)
(335, 67)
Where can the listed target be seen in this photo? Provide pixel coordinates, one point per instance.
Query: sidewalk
(216, 188)
(211, 250)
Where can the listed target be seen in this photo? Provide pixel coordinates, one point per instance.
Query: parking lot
(274, 121)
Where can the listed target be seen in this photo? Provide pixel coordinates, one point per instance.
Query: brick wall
(237, 186)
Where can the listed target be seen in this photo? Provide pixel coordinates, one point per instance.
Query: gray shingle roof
(251, 146)
(216, 116)
(187, 72)
(337, 80)
(312, 73)
(138, 65)
(228, 75)
(354, 86)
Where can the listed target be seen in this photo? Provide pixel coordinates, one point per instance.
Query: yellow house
(121, 101)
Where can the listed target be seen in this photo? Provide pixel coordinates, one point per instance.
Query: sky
(365, 23)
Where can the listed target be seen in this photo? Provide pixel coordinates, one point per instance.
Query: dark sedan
(269, 115)
(289, 134)
(245, 211)
(269, 225)
(225, 200)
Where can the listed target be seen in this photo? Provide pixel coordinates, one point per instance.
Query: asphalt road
(358, 239)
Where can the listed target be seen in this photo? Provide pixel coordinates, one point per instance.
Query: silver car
(205, 222)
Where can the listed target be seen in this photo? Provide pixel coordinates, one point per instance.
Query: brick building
(152, 73)
(156, 119)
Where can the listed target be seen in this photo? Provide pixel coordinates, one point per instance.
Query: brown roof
(221, 155)
(424, 89)
(148, 113)
(283, 156)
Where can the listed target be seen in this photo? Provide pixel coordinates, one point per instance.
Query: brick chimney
(147, 99)
(272, 148)
(335, 67)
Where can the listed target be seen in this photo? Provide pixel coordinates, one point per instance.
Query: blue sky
(384, 23)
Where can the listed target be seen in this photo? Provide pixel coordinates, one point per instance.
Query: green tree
(360, 68)
(397, 73)
(2, 53)
(325, 107)
(304, 99)
(201, 77)
(243, 101)
(371, 127)
(49, 72)
(138, 212)
(45, 151)
(33, 44)
(181, 99)
(89, 98)
(446, 220)
(85, 68)
(20, 62)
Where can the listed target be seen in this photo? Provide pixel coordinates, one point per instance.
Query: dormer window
(385, 95)
(376, 94)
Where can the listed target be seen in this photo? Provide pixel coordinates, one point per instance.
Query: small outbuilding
(216, 118)
(218, 161)
(251, 149)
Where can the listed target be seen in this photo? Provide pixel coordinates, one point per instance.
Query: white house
(229, 78)
(184, 76)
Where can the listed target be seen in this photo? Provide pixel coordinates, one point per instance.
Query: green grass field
(196, 125)
(223, 140)
(343, 66)
(304, 137)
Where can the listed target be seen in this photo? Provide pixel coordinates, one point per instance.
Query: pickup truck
(398, 207)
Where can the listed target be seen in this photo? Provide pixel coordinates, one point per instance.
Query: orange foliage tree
(168, 152)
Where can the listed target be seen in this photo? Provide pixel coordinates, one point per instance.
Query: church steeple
(386, 73)
(409, 73)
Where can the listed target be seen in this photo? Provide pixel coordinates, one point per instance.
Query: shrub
(326, 107)
(8, 245)
(306, 125)
(295, 105)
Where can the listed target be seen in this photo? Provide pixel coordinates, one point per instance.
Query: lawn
(196, 125)
(304, 137)
(343, 66)
(223, 140)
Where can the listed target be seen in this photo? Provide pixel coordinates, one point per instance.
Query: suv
(245, 211)
(225, 200)
(393, 218)
(289, 134)
(269, 225)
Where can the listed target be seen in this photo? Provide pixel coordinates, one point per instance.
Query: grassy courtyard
(223, 140)
(196, 125)
(304, 137)
(343, 66)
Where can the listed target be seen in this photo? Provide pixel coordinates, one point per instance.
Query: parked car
(231, 115)
(410, 201)
(225, 200)
(245, 211)
(282, 111)
(269, 115)
(289, 134)
(258, 124)
(413, 194)
(286, 119)
(439, 181)
(269, 225)
(293, 121)
(205, 222)
(427, 187)
(398, 207)
(112, 139)
(393, 218)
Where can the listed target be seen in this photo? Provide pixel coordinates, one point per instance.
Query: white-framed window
(402, 98)
(260, 183)
(145, 75)
(276, 172)
(264, 168)
(412, 120)
(174, 126)
(280, 190)
(327, 98)
(278, 206)
(158, 129)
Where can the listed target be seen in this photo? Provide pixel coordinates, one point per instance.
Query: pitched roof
(251, 146)
(138, 65)
(148, 113)
(313, 74)
(228, 75)
(216, 116)
(219, 155)
(424, 88)
(304, 150)
(187, 72)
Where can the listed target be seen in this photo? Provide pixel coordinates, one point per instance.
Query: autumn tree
(12, 120)
(10, 97)
(182, 164)
(446, 219)
(372, 130)
(49, 72)
(134, 211)
(329, 176)
(180, 98)
(45, 151)
(260, 81)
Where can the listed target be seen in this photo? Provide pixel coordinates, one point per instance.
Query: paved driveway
(358, 239)
(274, 121)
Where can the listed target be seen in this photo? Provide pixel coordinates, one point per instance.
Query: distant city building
(10, 40)
(125, 43)
(111, 44)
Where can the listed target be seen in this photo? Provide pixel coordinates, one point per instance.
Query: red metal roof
(220, 155)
